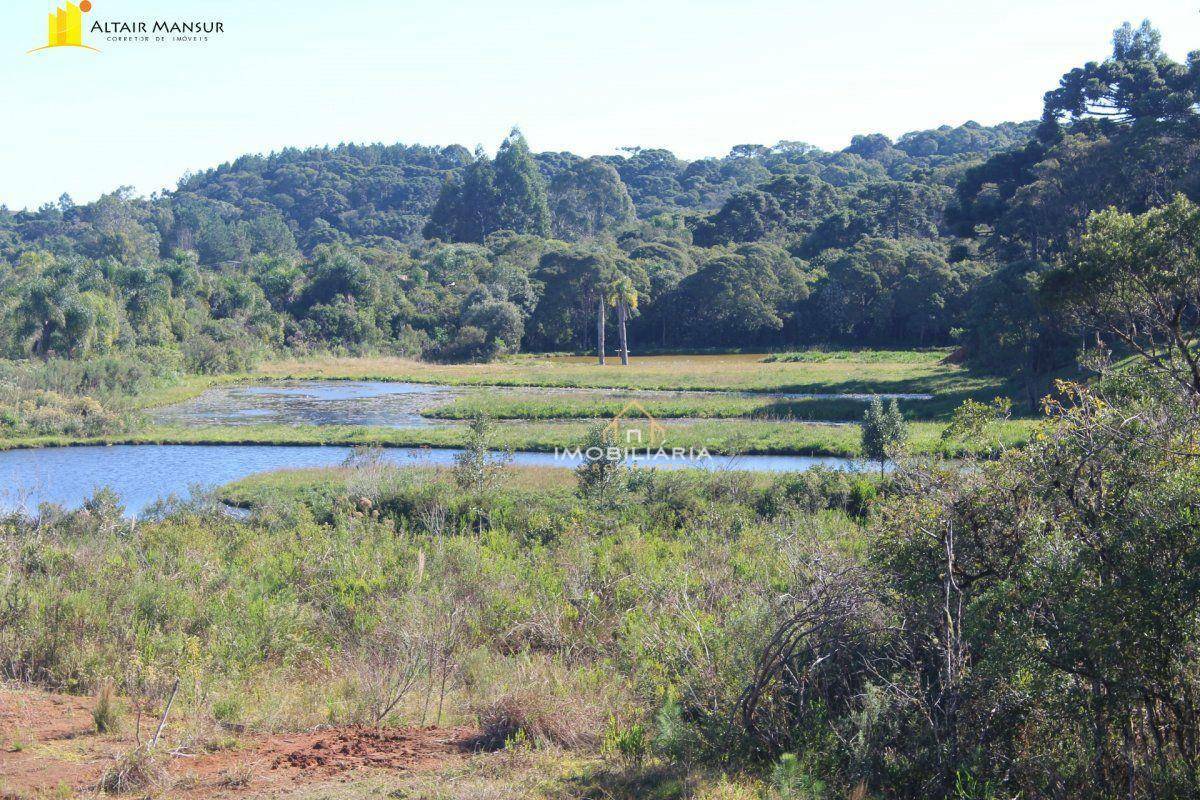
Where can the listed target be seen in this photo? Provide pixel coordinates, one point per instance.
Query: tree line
(941, 237)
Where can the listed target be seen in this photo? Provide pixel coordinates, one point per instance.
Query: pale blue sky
(696, 76)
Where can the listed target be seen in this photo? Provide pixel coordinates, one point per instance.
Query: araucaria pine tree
(883, 431)
(506, 194)
(520, 189)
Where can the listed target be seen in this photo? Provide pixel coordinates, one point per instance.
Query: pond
(369, 403)
(142, 474)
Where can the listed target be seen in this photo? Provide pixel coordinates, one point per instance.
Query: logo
(632, 436)
(656, 433)
(65, 27)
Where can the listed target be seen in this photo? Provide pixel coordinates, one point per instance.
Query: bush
(819, 489)
(105, 714)
(139, 770)
(221, 348)
(790, 781)
(628, 743)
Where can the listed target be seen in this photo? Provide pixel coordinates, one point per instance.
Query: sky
(694, 76)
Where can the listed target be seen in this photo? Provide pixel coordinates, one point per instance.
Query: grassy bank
(179, 390)
(729, 436)
(909, 372)
(526, 484)
(540, 406)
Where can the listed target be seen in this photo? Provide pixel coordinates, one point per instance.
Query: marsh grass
(817, 355)
(534, 406)
(849, 371)
(723, 436)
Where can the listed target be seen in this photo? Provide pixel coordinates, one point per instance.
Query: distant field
(855, 372)
(732, 406)
(751, 437)
(820, 372)
(534, 406)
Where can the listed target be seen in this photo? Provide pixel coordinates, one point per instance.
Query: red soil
(48, 741)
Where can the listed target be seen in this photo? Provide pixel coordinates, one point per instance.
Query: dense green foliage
(321, 249)
(1123, 133)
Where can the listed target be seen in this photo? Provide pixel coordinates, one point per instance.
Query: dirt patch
(48, 742)
(341, 749)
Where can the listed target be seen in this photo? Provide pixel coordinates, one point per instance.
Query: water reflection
(142, 474)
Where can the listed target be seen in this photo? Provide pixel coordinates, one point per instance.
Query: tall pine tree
(478, 201)
(509, 194)
(524, 207)
(466, 208)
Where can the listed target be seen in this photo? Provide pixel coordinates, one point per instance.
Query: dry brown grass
(238, 776)
(139, 770)
(536, 701)
(106, 716)
(850, 372)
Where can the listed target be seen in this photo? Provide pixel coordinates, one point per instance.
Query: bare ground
(49, 748)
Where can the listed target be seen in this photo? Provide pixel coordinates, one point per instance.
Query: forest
(991, 595)
(457, 256)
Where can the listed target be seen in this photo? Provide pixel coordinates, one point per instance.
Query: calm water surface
(141, 474)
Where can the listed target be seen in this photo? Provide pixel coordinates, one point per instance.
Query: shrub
(628, 743)
(602, 473)
(105, 714)
(535, 718)
(790, 781)
(139, 770)
(541, 701)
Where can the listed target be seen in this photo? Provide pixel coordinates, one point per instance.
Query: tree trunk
(622, 315)
(600, 330)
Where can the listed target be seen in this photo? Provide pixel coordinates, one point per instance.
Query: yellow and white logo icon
(66, 26)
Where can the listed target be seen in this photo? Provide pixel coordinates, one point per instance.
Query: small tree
(603, 463)
(884, 431)
(973, 423)
(477, 469)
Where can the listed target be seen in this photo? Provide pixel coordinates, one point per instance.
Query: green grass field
(830, 373)
(535, 406)
(296, 485)
(727, 404)
(727, 436)
(809, 372)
